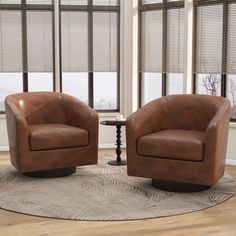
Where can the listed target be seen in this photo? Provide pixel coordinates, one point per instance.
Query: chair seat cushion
(56, 136)
(173, 144)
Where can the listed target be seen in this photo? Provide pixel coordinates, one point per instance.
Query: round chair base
(178, 187)
(52, 173)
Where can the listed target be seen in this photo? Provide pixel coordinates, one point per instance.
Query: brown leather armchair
(179, 141)
(50, 133)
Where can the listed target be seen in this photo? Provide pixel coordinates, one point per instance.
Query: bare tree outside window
(232, 95)
(209, 84)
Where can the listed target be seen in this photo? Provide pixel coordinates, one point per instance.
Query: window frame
(23, 7)
(223, 74)
(164, 6)
(90, 8)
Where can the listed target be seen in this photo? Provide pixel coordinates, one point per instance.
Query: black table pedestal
(118, 161)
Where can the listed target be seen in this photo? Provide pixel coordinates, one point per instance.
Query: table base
(117, 163)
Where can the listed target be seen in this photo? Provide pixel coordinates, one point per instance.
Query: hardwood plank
(217, 221)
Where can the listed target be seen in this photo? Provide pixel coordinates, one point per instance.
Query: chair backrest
(188, 111)
(39, 107)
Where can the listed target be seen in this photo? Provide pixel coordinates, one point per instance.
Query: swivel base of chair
(51, 173)
(178, 187)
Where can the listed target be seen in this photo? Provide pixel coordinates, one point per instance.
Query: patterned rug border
(125, 220)
(230, 193)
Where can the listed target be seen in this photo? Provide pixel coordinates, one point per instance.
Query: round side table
(118, 124)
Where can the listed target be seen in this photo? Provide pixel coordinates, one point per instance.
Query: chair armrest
(80, 115)
(147, 119)
(217, 136)
(18, 133)
(14, 115)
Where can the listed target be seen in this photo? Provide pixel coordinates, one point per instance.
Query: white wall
(3, 134)
(231, 151)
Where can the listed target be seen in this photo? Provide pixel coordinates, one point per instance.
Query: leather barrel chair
(50, 133)
(179, 141)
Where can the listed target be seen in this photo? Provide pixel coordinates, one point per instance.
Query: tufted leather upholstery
(180, 138)
(49, 130)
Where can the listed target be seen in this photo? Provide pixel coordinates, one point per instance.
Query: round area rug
(102, 192)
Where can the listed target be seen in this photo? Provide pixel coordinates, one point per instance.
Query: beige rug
(102, 192)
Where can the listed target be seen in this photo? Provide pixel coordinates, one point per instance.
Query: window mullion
(118, 57)
(194, 57)
(164, 49)
(57, 77)
(24, 46)
(224, 49)
(140, 74)
(90, 54)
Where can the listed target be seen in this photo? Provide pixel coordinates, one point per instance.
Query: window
(161, 48)
(215, 49)
(89, 36)
(10, 54)
(90, 52)
(26, 47)
(39, 46)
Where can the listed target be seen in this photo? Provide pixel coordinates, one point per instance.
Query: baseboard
(231, 162)
(4, 148)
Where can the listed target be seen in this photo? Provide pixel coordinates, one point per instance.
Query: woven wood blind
(39, 41)
(10, 41)
(74, 41)
(231, 47)
(151, 41)
(104, 42)
(209, 39)
(175, 41)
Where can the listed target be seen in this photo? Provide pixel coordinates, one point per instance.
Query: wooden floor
(219, 220)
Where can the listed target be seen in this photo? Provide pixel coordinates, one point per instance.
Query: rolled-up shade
(175, 40)
(209, 39)
(74, 41)
(39, 41)
(105, 42)
(151, 41)
(231, 47)
(10, 41)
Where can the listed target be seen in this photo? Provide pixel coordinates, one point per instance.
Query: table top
(113, 122)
